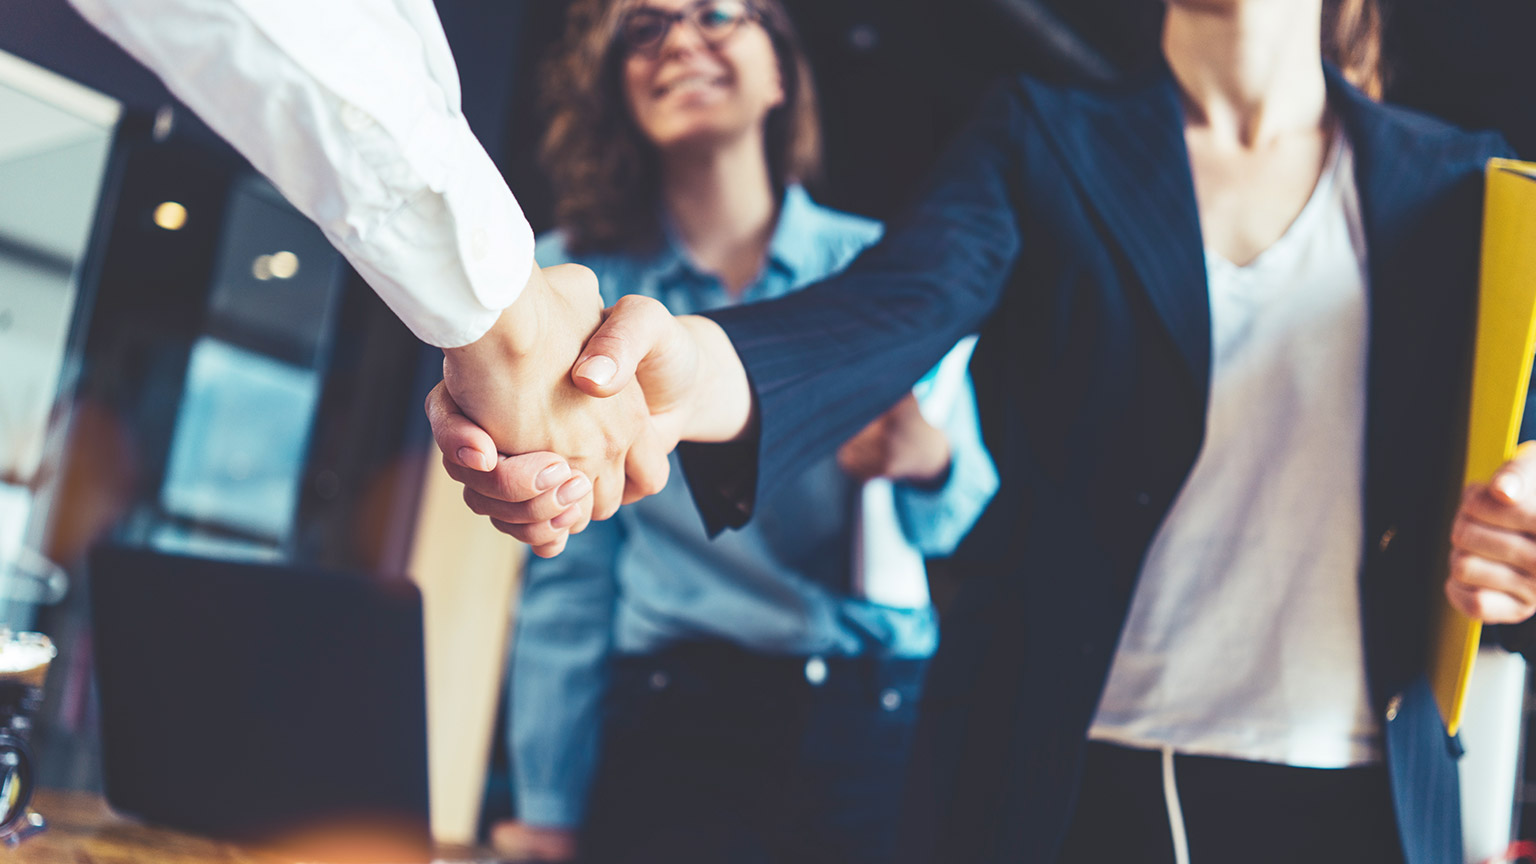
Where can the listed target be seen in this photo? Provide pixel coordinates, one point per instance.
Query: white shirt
(351, 109)
(1244, 637)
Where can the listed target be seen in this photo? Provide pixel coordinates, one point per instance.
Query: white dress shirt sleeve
(351, 108)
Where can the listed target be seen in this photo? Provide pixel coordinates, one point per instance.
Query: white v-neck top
(1244, 637)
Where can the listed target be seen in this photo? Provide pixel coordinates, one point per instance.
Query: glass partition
(55, 139)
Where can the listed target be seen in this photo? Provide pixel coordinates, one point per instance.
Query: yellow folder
(1501, 370)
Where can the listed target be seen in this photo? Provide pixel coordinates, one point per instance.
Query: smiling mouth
(690, 82)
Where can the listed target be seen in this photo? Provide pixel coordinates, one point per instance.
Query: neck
(722, 205)
(1250, 70)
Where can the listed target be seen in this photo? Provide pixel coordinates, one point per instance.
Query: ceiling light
(284, 265)
(170, 216)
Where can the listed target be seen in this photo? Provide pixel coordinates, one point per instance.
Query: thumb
(632, 329)
(1517, 477)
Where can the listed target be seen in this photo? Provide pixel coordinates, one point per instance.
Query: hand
(534, 497)
(1493, 540)
(522, 842)
(899, 444)
(695, 386)
(695, 389)
(514, 383)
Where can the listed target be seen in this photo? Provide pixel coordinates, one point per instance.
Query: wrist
(723, 407)
(515, 334)
(931, 471)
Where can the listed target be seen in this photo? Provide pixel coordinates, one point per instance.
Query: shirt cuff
(453, 256)
(936, 519)
(723, 480)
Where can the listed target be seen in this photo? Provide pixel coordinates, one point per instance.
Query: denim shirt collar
(789, 254)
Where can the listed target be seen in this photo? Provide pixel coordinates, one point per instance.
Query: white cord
(1175, 811)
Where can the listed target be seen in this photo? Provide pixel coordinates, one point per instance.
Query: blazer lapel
(1406, 327)
(1125, 150)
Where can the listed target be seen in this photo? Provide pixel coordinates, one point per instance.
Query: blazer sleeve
(825, 361)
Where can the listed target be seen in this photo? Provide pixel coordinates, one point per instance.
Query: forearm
(824, 362)
(351, 109)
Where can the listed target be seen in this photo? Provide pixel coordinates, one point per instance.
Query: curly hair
(605, 173)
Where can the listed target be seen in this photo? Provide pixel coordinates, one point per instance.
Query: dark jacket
(1063, 225)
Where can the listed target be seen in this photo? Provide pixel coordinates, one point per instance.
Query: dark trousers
(716, 755)
(1252, 812)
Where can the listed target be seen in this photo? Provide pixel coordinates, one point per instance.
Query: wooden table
(82, 830)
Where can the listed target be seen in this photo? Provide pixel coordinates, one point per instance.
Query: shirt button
(1143, 499)
(479, 244)
(1393, 704)
(1386, 538)
(659, 680)
(890, 700)
(816, 671)
(355, 118)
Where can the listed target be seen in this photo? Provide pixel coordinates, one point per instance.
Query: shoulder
(1444, 142)
(840, 227)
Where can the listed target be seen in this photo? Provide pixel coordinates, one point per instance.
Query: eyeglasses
(645, 29)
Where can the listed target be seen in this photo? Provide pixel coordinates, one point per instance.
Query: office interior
(190, 367)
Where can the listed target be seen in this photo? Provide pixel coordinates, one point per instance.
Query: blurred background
(189, 366)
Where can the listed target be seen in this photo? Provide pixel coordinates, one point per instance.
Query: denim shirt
(650, 576)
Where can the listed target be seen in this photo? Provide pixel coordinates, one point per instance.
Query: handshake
(564, 410)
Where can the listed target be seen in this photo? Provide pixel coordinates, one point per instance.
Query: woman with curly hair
(749, 698)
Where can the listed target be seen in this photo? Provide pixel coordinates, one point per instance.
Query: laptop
(277, 706)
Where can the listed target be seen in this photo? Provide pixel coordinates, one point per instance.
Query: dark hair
(605, 173)
(1352, 41)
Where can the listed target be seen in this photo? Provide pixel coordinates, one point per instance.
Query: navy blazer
(1063, 226)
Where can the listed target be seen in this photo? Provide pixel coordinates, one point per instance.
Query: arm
(936, 520)
(778, 385)
(351, 109)
(825, 361)
(559, 675)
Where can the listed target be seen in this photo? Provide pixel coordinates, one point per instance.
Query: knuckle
(648, 486)
(536, 534)
(637, 304)
(508, 487)
(1458, 567)
(1459, 531)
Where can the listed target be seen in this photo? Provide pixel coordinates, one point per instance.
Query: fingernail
(574, 490)
(566, 519)
(469, 457)
(599, 369)
(550, 477)
(1509, 485)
